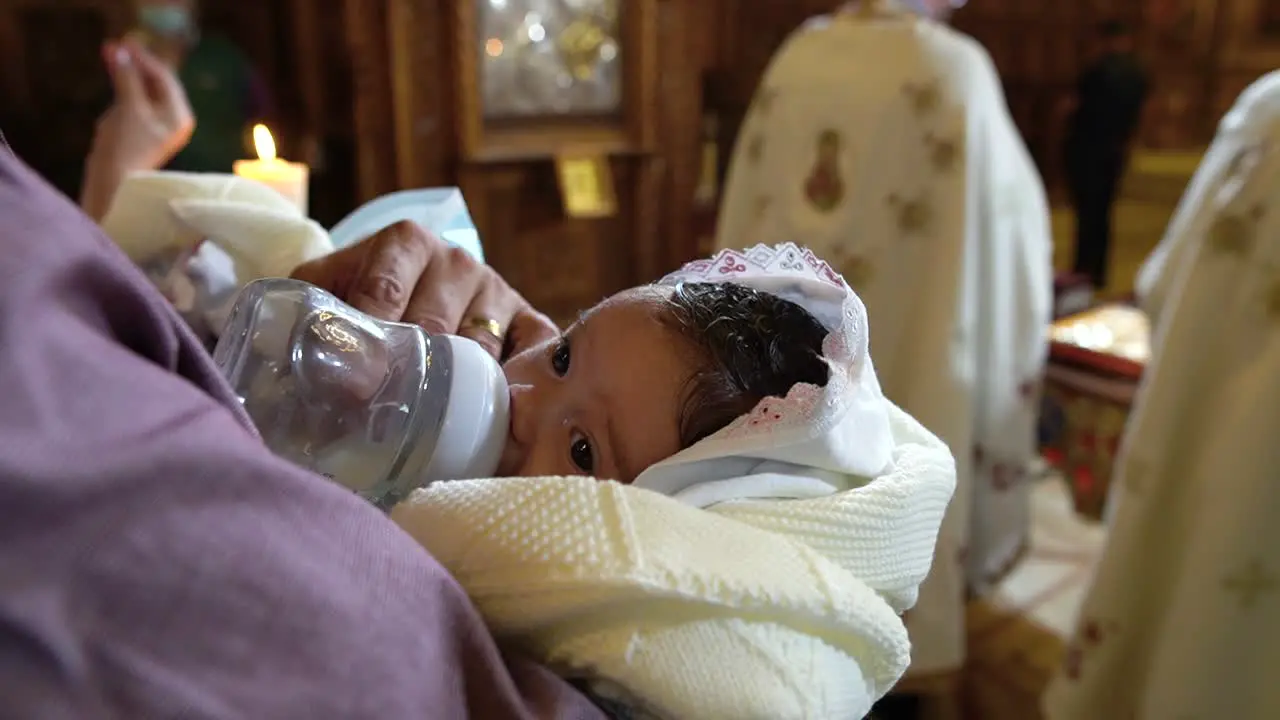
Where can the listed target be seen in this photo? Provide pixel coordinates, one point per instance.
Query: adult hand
(406, 274)
(148, 123)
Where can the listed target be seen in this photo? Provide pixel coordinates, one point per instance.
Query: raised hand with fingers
(149, 121)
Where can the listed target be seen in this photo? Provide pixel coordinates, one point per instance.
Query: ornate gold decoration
(923, 97)
(538, 59)
(587, 188)
(1233, 233)
(914, 216)
(1250, 584)
(579, 45)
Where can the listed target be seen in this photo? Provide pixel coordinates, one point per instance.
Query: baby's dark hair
(750, 345)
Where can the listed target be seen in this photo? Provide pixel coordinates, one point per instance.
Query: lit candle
(287, 178)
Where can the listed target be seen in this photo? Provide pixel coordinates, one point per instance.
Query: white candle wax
(287, 178)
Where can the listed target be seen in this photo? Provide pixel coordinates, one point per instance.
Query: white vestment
(883, 143)
(1183, 619)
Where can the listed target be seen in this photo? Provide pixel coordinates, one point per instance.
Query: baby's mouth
(509, 464)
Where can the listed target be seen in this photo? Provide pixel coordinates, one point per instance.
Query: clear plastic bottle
(381, 408)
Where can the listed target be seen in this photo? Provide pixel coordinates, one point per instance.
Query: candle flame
(264, 143)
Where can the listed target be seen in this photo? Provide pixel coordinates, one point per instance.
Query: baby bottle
(382, 408)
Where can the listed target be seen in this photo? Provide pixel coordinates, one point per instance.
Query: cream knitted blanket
(755, 609)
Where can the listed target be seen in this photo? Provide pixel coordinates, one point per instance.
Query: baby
(652, 371)
(772, 513)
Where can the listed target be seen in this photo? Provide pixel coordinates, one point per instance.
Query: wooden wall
(419, 122)
(52, 82)
(1200, 53)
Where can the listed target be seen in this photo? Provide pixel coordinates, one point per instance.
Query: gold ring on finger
(486, 324)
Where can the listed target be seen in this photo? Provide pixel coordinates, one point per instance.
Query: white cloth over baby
(758, 574)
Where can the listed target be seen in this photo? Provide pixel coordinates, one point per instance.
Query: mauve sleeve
(157, 562)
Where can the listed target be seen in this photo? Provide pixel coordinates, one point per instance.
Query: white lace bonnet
(812, 441)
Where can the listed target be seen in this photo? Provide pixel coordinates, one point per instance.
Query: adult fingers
(529, 328)
(394, 261)
(160, 82)
(450, 284)
(488, 307)
(125, 79)
(334, 272)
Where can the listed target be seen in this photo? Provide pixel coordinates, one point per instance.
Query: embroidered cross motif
(942, 153)
(825, 186)
(1232, 234)
(914, 216)
(923, 97)
(857, 270)
(1250, 584)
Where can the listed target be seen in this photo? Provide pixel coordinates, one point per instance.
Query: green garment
(225, 96)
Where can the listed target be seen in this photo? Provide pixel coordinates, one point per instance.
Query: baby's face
(603, 399)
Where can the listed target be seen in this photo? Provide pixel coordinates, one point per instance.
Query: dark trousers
(1094, 179)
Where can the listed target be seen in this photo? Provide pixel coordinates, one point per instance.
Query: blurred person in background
(880, 138)
(1104, 115)
(226, 93)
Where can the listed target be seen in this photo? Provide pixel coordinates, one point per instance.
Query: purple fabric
(157, 562)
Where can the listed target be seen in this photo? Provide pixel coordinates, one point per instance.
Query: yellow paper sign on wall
(586, 186)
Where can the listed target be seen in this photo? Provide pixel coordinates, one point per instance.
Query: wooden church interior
(381, 95)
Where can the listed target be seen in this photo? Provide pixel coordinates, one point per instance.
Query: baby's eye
(581, 455)
(560, 357)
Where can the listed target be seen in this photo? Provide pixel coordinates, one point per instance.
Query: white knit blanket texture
(748, 609)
